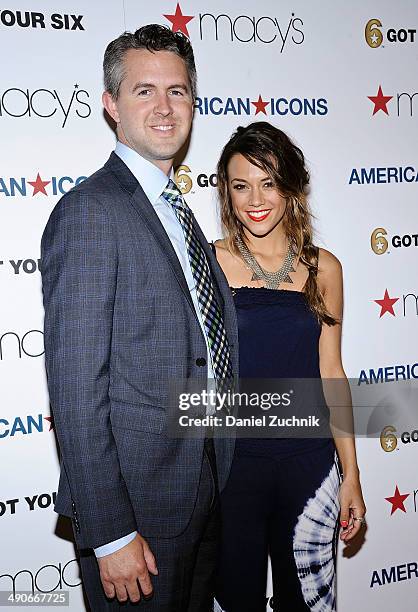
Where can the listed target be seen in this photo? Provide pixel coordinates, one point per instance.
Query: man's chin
(165, 153)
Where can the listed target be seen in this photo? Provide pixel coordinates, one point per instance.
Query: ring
(361, 519)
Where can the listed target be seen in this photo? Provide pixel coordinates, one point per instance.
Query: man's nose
(163, 105)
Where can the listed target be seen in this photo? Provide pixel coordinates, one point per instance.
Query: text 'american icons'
(382, 175)
(269, 106)
(13, 186)
(394, 573)
(388, 374)
(25, 425)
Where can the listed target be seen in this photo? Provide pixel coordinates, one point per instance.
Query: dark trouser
(186, 564)
(287, 508)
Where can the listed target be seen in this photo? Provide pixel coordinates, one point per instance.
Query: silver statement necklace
(272, 279)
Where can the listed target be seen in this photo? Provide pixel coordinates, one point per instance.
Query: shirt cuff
(112, 547)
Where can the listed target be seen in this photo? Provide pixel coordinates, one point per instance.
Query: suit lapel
(146, 211)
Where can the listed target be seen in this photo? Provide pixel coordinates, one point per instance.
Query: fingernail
(344, 524)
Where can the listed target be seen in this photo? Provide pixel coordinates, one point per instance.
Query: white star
(182, 185)
(379, 245)
(373, 38)
(389, 443)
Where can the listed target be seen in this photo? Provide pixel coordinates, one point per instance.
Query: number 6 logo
(388, 440)
(374, 36)
(183, 180)
(378, 241)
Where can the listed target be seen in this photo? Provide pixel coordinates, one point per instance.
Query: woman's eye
(268, 184)
(239, 187)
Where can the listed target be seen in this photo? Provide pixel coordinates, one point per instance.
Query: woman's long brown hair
(270, 149)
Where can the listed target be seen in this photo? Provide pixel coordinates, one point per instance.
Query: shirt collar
(153, 180)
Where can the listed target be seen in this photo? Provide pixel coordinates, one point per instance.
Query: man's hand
(121, 571)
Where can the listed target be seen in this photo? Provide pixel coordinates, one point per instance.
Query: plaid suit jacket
(119, 324)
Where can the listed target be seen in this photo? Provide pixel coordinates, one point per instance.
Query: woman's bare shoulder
(221, 244)
(226, 259)
(330, 273)
(222, 250)
(328, 263)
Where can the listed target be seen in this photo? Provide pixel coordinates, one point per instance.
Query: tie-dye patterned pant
(287, 507)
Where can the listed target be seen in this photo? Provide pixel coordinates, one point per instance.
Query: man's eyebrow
(179, 86)
(142, 85)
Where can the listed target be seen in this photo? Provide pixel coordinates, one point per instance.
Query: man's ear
(110, 105)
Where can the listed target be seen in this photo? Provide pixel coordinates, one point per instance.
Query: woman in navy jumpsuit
(286, 497)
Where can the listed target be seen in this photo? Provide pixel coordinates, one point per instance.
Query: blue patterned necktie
(209, 307)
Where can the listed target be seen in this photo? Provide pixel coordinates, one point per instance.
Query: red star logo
(39, 185)
(386, 304)
(260, 106)
(51, 422)
(397, 501)
(179, 21)
(380, 101)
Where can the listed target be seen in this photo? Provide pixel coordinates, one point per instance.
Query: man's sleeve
(112, 547)
(79, 261)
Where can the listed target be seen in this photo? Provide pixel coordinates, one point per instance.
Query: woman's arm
(338, 396)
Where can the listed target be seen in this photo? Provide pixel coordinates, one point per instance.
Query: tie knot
(172, 193)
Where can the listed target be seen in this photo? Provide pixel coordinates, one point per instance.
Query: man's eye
(143, 92)
(176, 92)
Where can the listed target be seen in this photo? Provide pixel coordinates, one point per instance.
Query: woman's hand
(352, 507)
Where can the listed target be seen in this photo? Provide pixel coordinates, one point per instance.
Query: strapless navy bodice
(278, 338)
(278, 334)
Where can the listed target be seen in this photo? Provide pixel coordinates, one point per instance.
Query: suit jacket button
(201, 361)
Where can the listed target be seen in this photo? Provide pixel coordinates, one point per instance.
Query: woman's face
(255, 199)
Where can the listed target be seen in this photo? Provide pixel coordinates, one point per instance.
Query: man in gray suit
(134, 299)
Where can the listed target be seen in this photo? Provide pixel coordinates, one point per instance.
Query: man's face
(154, 109)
